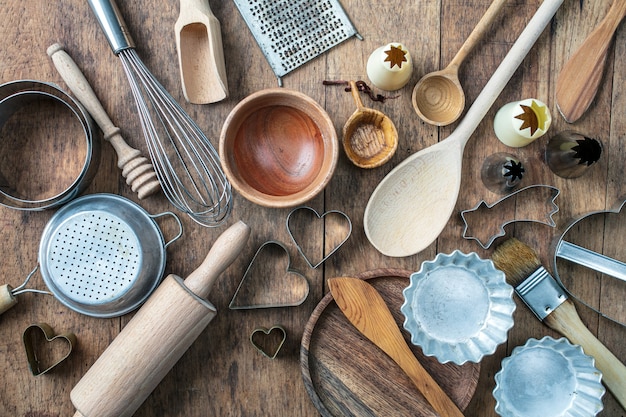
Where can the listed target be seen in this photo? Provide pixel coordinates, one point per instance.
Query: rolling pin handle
(223, 252)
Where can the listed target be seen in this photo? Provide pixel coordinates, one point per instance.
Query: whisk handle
(112, 24)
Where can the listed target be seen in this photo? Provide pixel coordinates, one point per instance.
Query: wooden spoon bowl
(278, 148)
(438, 97)
(369, 137)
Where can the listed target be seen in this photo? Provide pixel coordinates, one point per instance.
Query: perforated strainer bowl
(102, 255)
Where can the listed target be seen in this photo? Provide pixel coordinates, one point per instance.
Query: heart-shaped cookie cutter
(269, 346)
(267, 296)
(319, 217)
(32, 340)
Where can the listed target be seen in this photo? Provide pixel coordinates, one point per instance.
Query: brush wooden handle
(137, 169)
(565, 320)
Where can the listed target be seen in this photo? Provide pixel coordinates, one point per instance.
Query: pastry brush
(550, 303)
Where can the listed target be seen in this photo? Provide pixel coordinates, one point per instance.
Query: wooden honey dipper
(136, 168)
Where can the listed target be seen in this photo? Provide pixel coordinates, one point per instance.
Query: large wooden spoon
(438, 97)
(364, 307)
(580, 77)
(200, 53)
(410, 207)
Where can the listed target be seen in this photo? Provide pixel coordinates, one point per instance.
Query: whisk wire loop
(184, 160)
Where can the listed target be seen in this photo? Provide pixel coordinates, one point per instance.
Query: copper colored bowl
(278, 148)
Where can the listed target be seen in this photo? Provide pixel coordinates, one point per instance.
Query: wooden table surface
(222, 374)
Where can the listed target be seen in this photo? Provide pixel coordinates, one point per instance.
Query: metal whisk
(184, 160)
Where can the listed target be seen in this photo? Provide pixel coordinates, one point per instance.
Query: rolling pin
(156, 337)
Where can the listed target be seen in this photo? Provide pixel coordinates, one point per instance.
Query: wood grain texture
(222, 374)
(346, 374)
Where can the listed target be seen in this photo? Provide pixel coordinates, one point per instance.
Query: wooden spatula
(580, 78)
(368, 312)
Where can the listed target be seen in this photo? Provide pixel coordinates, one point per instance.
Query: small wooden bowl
(278, 148)
(369, 137)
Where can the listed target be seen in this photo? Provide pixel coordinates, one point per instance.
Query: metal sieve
(102, 255)
(293, 32)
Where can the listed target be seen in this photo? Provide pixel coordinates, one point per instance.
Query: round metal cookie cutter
(102, 255)
(15, 95)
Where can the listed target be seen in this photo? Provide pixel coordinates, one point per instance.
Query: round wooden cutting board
(347, 375)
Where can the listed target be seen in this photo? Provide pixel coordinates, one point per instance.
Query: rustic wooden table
(222, 374)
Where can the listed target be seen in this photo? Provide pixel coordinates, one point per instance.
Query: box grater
(291, 33)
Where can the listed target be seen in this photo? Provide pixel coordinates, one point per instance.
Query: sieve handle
(223, 252)
(7, 300)
(180, 226)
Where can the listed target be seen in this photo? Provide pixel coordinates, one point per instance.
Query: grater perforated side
(291, 33)
(94, 257)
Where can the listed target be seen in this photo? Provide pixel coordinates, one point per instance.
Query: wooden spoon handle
(356, 96)
(580, 77)
(364, 307)
(565, 320)
(136, 169)
(483, 26)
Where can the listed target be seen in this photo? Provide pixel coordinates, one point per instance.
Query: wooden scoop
(369, 137)
(580, 77)
(410, 207)
(367, 311)
(200, 53)
(438, 97)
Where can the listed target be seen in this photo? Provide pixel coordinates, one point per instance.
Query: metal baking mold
(269, 341)
(39, 362)
(548, 377)
(458, 307)
(292, 33)
(15, 95)
(299, 246)
(263, 287)
(612, 267)
(534, 193)
(102, 255)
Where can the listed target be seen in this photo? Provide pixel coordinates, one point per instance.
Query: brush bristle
(517, 260)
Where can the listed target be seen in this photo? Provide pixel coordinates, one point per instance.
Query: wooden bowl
(369, 137)
(278, 148)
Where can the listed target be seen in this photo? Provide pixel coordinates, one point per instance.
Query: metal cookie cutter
(260, 286)
(43, 358)
(299, 246)
(269, 341)
(500, 210)
(16, 95)
(563, 248)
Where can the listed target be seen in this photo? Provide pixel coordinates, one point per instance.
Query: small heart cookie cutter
(268, 297)
(550, 208)
(32, 339)
(299, 247)
(270, 345)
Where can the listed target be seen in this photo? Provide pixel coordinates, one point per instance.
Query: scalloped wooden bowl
(278, 148)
